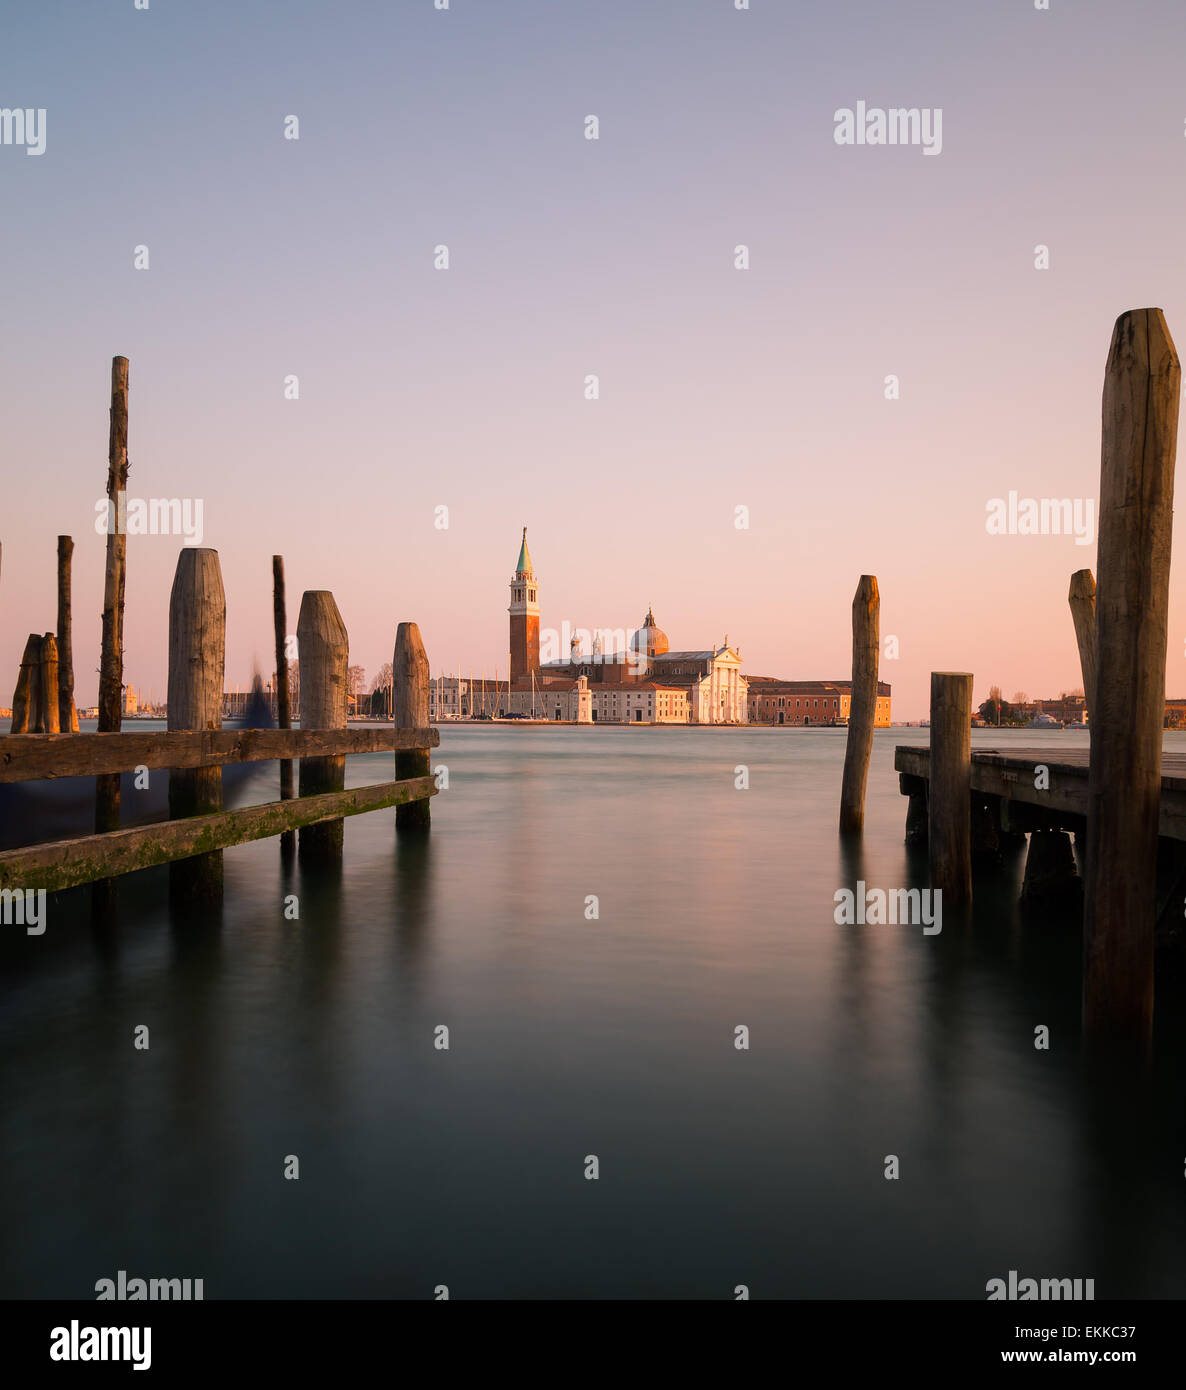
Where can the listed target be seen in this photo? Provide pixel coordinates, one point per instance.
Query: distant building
(775, 701)
(131, 703)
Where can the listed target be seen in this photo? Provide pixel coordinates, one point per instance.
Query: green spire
(524, 565)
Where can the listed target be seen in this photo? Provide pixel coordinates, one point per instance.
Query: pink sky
(464, 388)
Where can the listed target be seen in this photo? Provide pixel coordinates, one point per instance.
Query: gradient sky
(719, 388)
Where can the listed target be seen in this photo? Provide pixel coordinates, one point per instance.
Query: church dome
(649, 638)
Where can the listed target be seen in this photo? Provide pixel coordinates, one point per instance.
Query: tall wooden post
(862, 705)
(24, 707)
(1082, 601)
(111, 660)
(283, 715)
(410, 703)
(325, 658)
(47, 714)
(1140, 427)
(950, 831)
(197, 652)
(67, 712)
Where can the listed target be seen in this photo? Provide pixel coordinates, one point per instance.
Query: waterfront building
(775, 701)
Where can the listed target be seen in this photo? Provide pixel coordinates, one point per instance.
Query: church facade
(644, 683)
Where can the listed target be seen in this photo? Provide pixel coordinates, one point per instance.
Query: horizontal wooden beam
(30, 757)
(1011, 776)
(67, 863)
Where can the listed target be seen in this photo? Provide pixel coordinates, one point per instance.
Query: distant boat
(1045, 721)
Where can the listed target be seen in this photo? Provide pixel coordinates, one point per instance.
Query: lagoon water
(572, 1037)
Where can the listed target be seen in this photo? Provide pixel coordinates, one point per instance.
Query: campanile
(524, 611)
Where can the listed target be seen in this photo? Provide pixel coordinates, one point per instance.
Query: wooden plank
(69, 863)
(1011, 776)
(30, 757)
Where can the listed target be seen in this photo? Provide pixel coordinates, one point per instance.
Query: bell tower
(524, 611)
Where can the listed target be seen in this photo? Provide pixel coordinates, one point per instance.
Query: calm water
(572, 1037)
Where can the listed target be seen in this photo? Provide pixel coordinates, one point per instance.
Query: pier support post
(24, 711)
(951, 786)
(1051, 876)
(283, 714)
(324, 655)
(862, 705)
(47, 691)
(1140, 426)
(197, 651)
(410, 700)
(1082, 601)
(67, 713)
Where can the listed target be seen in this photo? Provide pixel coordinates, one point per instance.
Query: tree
(355, 679)
(384, 679)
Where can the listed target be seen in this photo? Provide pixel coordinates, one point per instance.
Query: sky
(465, 388)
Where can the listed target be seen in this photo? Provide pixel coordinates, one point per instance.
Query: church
(638, 680)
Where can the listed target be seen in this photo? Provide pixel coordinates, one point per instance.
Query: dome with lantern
(649, 637)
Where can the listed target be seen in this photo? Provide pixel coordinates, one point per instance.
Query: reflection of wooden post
(1140, 427)
(67, 713)
(410, 700)
(951, 785)
(111, 660)
(197, 650)
(24, 709)
(862, 705)
(283, 716)
(324, 649)
(1082, 601)
(47, 695)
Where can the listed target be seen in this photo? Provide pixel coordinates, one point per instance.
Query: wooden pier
(196, 747)
(1007, 784)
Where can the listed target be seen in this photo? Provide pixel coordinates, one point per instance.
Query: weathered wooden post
(1140, 427)
(950, 808)
(67, 712)
(324, 649)
(197, 651)
(410, 702)
(47, 694)
(862, 706)
(111, 660)
(283, 715)
(1082, 601)
(24, 708)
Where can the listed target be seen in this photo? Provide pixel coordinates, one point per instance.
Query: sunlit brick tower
(524, 611)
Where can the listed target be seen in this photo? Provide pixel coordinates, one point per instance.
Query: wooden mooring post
(862, 707)
(111, 660)
(197, 650)
(410, 702)
(25, 696)
(950, 799)
(283, 714)
(67, 712)
(324, 655)
(47, 690)
(1082, 600)
(1142, 382)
